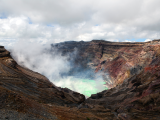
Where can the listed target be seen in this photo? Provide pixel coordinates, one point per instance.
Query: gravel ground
(14, 115)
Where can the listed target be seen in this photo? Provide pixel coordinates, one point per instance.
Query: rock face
(133, 69)
(118, 60)
(26, 93)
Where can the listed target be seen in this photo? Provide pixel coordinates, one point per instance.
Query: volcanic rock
(26, 94)
(134, 82)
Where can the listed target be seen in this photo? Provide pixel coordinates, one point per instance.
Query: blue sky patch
(49, 25)
(3, 16)
(29, 21)
(137, 40)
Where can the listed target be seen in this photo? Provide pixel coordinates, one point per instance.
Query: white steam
(52, 64)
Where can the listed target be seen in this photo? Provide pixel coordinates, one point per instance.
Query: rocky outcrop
(119, 60)
(134, 73)
(137, 98)
(134, 93)
(24, 92)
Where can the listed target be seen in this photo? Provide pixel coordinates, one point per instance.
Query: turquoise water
(83, 86)
(89, 90)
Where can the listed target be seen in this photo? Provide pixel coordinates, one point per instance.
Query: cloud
(49, 11)
(63, 20)
(147, 40)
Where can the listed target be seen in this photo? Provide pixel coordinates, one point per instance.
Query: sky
(65, 20)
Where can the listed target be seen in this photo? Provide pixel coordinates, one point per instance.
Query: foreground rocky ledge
(134, 93)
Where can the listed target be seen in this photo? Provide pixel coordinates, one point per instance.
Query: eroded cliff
(116, 60)
(133, 69)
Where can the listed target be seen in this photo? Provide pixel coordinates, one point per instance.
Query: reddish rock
(134, 94)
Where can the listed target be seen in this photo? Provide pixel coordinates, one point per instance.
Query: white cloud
(79, 20)
(147, 40)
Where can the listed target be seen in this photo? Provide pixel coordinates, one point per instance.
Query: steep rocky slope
(25, 94)
(134, 79)
(117, 61)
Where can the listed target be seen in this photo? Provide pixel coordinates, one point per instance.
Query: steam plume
(49, 62)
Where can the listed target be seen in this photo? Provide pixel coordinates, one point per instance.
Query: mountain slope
(24, 92)
(133, 69)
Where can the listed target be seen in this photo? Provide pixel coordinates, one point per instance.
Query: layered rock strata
(26, 93)
(134, 70)
(118, 60)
